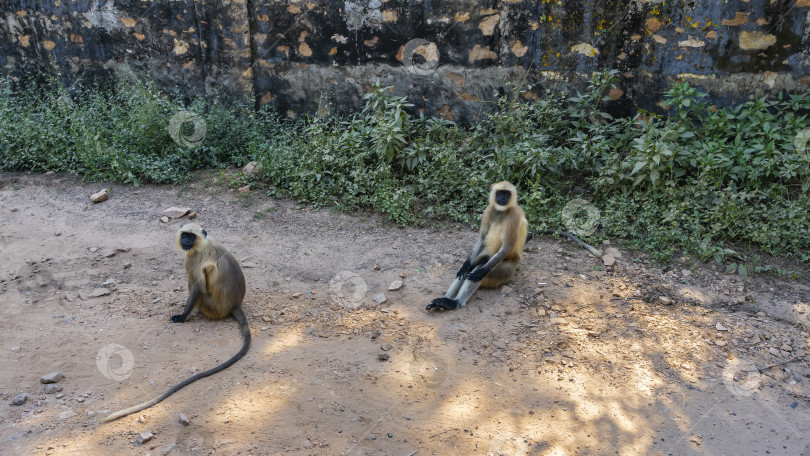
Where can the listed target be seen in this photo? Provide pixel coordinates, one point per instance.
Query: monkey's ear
(205, 235)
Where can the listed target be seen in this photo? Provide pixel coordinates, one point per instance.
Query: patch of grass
(699, 179)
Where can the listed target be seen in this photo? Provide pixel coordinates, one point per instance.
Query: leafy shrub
(698, 178)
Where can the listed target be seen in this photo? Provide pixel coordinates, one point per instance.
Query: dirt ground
(571, 358)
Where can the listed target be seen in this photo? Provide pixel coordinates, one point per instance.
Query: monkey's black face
(187, 240)
(502, 197)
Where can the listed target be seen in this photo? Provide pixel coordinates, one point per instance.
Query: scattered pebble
(387, 346)
(19, 399)
(403, 274)
(176, 212)
(380, 298)
(98, 292)
(164, 219)
(192, 215)
(250, 169)
(383, 356)
(395, 285)
(297, 295)
(184, 419)
(127, 265)
(52, 388)
(720, 327)
(608, 259)
(144, 437)
(100, 196)
(244, 190)
(377, 267)
(53, 377)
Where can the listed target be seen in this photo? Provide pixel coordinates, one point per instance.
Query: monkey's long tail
(237, 313)
(570, 236)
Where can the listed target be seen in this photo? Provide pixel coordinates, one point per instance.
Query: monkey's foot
(177, 318)
(443, 303)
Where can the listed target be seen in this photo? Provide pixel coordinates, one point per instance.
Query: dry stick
(570, 236)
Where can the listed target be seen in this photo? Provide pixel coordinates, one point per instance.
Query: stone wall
(449, 57)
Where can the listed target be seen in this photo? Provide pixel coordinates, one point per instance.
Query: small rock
(380, 298)
(786, 347)
(57, 233)
(251, 168)
(144, 437)
(14, 209)
(53, 377)
(19, 399)
(244, 190)
(608, 259)
(93, 249)
(505, 290)
(127, 265)
(15, 349)
(60, 395)
(297, 295)
(541, 312)
(184, 419)
(264, 328)
(614, 252)
(387, 346)
(403, 274)
(395, 285)
(52, 388)
(109, 282)
(79, 399)
(720, 343)
(754, 339)
(383, 356)
(108, 253)
(267, 319)
(142, 419)
(164, 219)
(95, 293)
(176, 212)
(686, 272)
(377, 268)
(774, 351)
(100, 196)
(192, 215)
(665, 300)
(720, 327)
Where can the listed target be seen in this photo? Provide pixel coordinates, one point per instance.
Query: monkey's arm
(465, 268)
(193, 297)
(481, 272)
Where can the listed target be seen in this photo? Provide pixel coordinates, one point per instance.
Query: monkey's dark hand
(477, 275)
(177, 318)
(442, 304)
(465, 268)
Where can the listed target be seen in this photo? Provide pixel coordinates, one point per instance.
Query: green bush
(699, 178)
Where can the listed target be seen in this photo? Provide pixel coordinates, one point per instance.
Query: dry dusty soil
(569, 359)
